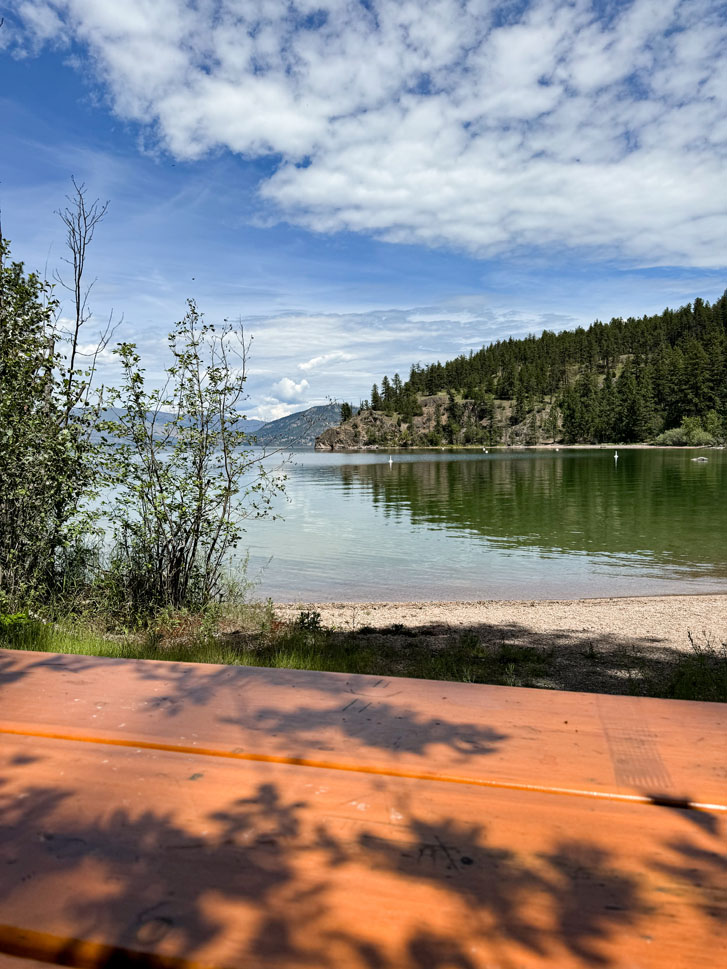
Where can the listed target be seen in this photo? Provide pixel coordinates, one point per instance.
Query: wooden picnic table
(187, 816)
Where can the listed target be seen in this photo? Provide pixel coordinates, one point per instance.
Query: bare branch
(80, 219)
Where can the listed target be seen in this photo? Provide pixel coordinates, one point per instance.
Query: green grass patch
(251, 636)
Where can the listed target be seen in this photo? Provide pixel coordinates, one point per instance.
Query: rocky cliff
(443, 421)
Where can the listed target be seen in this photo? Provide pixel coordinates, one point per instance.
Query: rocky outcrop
(368, 429)
(433, 427)
(341, 438)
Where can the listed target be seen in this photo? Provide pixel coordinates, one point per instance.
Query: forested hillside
(299, 429)
(625, 381)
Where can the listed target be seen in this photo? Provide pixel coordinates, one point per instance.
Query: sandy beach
(653, 621)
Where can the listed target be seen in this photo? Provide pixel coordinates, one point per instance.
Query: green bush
(47, 457)
(689, 434)
(182, 472)
(716, 426)
(309, 619)
(10, 623)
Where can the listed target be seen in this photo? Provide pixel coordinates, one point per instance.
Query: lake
(497, 525)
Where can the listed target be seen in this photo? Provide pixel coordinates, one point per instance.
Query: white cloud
(443, 317)
(467, 123)
(104, 356)
(88, 352)
(315, 362)
(289, 391)
(42, 20)
(272, 410)
(376, 342)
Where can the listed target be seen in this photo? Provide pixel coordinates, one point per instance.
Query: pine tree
(387, 395)
(552, 422)
(612, 380)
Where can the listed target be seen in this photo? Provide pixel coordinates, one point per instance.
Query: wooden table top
(184, 815)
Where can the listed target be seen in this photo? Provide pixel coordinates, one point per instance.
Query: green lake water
(498, 525)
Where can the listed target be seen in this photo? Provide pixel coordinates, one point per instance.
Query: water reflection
(650, 504)
(653, 514)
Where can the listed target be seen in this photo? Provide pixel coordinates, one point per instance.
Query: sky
(369, 184)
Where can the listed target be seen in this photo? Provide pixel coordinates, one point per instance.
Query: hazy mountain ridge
(300, 429)
(161, 419)
(296, 430)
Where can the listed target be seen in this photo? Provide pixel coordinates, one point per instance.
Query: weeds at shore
(250, 635)
(700, 675)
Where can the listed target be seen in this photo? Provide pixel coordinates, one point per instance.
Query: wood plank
(183, 816)
(601, 744)
(116, 856)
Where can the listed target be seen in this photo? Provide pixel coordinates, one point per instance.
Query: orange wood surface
(181, 815)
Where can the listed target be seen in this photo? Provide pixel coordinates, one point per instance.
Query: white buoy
(615, 455)
(391, 460)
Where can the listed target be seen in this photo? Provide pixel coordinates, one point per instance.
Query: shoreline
(523, 447)
(663, 620)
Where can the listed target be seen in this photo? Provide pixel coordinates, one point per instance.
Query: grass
(250, 635)
(701, 674)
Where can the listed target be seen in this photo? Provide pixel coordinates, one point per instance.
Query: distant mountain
(301, 429)
(250, 426)
(296, 430)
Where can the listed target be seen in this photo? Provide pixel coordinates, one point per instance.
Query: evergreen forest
(659, 379)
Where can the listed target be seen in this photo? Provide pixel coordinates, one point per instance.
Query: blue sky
(370, 185)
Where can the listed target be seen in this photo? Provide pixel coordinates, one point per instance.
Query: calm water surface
(513, 525)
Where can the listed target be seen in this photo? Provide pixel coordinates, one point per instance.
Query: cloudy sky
(370, 183)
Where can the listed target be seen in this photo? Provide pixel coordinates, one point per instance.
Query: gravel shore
(653, 620)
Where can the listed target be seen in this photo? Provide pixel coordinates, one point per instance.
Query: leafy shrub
(182, 472)
(309, 619)
(10, 623)
(689, 434)
(46, 452)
